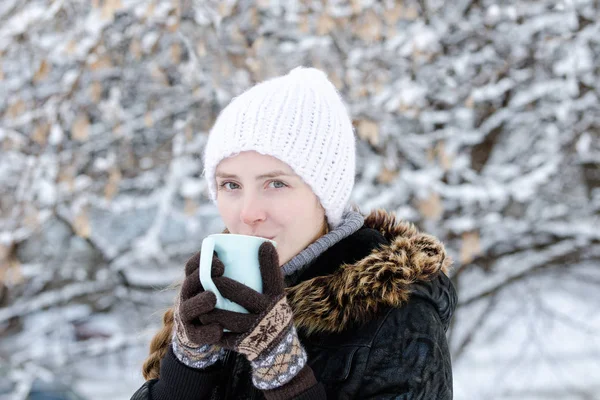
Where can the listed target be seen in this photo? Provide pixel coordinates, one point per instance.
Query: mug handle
(205, 269)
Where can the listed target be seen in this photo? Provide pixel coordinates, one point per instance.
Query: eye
(277, 185)
(229, 186)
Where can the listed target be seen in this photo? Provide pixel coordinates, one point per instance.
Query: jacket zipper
(229, 363)
(231, 360)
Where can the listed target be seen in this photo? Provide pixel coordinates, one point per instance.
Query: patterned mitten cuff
(197, 357)
(277, 366)
(188, 352)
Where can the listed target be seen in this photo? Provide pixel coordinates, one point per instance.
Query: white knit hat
(300, 119)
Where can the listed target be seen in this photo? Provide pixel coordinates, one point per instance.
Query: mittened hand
(247, 334)
(266, 335)
(194, 342)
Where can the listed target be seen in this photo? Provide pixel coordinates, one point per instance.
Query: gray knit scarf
(352, 221)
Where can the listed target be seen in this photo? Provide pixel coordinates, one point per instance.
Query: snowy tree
(477, 120)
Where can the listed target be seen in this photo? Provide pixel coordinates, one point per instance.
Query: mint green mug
(239, 255)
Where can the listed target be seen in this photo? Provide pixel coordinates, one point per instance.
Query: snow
(493, 107)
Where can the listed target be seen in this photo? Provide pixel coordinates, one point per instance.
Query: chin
(283, 259)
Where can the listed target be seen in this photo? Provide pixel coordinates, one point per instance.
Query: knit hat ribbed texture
(300, 119)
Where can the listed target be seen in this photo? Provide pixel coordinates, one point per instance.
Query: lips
(265, 237)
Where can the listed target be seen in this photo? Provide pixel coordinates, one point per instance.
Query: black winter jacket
(371, 312)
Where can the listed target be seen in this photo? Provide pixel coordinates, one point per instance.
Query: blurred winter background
(478, 120)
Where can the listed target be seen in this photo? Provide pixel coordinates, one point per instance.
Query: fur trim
(354, 293)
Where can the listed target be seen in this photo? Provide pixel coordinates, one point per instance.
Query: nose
(252, 211)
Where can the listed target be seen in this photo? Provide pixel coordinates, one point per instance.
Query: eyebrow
(272, 174)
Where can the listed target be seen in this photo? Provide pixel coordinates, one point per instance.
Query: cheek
(304, 213)
(281, 213)
(228, 212)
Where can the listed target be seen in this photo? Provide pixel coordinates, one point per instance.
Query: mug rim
(244, 236)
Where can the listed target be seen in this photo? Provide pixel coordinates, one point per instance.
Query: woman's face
(260, 195)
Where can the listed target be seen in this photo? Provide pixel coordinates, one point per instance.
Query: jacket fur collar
(354, 293)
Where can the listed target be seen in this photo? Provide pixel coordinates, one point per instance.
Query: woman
(352, 307)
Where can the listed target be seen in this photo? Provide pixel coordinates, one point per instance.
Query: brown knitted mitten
(194, 342)
(266, 336)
